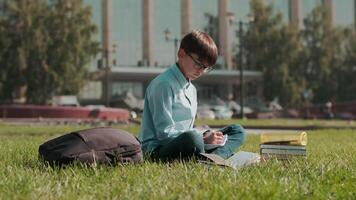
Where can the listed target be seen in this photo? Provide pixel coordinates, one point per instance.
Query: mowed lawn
(328, 172)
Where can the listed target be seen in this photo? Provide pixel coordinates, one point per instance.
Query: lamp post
(240, 55)
(107, 81)
(108, 62)
(240, 34)
(167, 35)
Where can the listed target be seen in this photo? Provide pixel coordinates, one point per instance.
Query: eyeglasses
(200, 66)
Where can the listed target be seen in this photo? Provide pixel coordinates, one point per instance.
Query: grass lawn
(329, 172)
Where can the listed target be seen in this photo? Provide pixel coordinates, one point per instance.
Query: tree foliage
(317, 61)
(346, 73)
(273, 48)
(322, 55)
(45, 47)
(212, 26)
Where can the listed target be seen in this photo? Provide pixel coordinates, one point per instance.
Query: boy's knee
(237, 128)
(239, 131)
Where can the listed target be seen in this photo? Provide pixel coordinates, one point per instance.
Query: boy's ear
(181, 53)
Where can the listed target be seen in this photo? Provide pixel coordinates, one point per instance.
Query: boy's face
(191, 65)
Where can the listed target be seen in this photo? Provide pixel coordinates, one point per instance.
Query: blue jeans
(190, 144)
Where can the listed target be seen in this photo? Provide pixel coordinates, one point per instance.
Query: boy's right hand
(213, 137)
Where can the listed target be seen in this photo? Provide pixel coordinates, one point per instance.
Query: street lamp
(175, 40)
(240, 56)
(107, 62)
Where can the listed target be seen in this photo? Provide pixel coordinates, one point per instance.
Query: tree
(22, 34)
(45, 47)
(322, 55)
(347, 71)
(212, 26)
(71, 47)
(274, 49)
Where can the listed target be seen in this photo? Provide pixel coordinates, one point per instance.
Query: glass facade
(127, 23)
(119, 88)
(308, 6)
(281, 6)
(166, 16)
(344, 12)
(91, 90)
(240, 9)
(200, 8)
(96, 17)
(127, 31)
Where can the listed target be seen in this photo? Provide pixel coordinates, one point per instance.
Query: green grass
(329, 172)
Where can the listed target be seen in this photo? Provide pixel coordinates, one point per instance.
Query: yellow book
(285, 138)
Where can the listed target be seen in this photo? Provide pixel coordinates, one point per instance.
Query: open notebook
(239, 159)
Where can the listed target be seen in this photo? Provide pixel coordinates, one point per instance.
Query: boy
(171, 104)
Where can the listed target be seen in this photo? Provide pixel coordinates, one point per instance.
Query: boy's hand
(213, 137)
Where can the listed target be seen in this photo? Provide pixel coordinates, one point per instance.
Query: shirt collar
(180, 77)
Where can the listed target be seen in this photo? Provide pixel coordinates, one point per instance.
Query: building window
(344, 12)
(119, 88)
(92, 90)
(206, 91)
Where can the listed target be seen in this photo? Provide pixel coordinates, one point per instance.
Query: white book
(276, 146)
(239, 159)
(284, 151)
(243, 158)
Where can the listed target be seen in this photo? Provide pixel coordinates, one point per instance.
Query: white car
(65, 100)
(222, 112)
(204, 112)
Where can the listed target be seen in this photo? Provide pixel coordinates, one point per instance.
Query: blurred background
(277, 58)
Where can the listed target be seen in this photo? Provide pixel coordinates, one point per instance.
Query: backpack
(92, 146)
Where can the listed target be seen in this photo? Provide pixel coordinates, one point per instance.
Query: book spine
(266, 146)
(284, 151)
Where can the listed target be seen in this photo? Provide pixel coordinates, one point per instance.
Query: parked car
(236, 108)
(257, 105)
(129, 101)
(204, 112)
(222, 112)
(65, 100)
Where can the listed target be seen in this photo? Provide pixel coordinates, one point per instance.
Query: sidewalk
(267, 131)
(286, 128)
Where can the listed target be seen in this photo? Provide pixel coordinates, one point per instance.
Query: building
(137, 46)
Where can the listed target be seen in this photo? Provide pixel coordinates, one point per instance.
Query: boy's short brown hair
(202, 45)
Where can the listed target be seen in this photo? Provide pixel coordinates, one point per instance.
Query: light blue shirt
(170, 109)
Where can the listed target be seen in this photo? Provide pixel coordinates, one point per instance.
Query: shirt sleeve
(161, 106)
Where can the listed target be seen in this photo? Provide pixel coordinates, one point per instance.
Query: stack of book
(283, 145)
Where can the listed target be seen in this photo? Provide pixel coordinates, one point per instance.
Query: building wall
(344, 12)
(127, 25)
